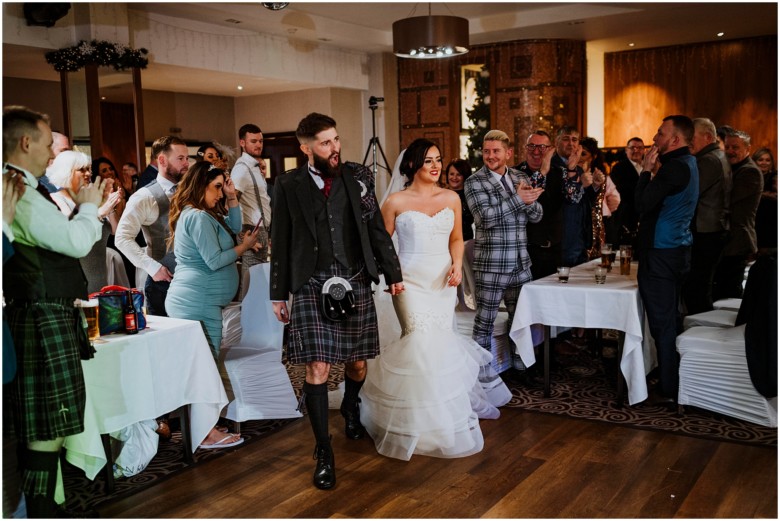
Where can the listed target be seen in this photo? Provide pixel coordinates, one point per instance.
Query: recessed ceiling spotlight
(102, 97)
(240, 87)
(721, 34)
(233, 21)
(631, 44)
(576, 22)
(275, 6)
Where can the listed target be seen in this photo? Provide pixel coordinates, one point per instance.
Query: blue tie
(506, 185)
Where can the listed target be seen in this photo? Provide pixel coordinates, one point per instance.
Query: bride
(427, 390)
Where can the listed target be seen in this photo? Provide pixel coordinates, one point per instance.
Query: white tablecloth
(583, 303)
(140, 377)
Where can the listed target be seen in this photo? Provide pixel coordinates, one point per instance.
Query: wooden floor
(533, 465)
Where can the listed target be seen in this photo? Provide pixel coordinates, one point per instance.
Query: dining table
(582, 303)
(167, 366)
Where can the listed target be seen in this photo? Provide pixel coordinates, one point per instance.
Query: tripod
(374, 143)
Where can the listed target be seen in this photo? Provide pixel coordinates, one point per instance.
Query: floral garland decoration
(480, 115)
(99, 52)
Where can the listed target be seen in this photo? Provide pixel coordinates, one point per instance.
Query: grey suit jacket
(747, 184)
(714, 190)
(500, 219)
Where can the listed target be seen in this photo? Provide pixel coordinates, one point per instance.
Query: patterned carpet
(583, 387)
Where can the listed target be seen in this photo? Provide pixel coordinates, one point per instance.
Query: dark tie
(504, 182)
(328, 183)
(45, 193)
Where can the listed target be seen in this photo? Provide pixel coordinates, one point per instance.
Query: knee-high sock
(351, 391)
(39, 480)
(317, 407)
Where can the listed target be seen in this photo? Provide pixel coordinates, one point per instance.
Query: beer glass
(91, 309)
(625, 260)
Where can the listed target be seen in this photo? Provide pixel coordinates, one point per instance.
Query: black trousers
(544, 261)
(155, 296)
(660, 277)
(705, 254)
(729, 276)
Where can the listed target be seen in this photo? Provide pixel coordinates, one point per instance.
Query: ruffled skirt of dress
(424, 395)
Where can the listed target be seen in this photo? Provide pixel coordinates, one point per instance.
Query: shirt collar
(249, 159)
(30, 180)
(315, 175)
(165, 183)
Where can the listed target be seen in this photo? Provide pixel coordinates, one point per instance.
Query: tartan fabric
(48, 393)
(490, 289)
(314, 338)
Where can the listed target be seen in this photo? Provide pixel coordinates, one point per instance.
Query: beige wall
(200, 117)
(43, 96)
(281, 112)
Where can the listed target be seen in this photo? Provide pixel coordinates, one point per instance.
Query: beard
(173, 173)
(322, 164)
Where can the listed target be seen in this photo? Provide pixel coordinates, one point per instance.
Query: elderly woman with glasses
(70, 171)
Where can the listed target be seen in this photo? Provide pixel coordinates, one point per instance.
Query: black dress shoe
(352, 426)
(325, 472)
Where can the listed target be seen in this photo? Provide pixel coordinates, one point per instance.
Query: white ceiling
(367, 26)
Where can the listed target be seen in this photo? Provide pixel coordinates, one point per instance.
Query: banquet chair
(714, 318)
(260, 384)
(733, 370)
(729, 304)
(115, 269)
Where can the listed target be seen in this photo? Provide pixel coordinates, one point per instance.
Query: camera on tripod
(373, 100)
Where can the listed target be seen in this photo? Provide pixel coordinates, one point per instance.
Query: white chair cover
(260, 383)
(714, 318)
(729, 304)
(714, 375)
(115, 269)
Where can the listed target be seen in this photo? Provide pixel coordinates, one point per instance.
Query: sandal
(223, 443)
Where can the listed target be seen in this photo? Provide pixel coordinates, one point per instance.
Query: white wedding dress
(427, 390)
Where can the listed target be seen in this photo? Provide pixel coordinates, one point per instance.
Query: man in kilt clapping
(326, 223)
(40, 284)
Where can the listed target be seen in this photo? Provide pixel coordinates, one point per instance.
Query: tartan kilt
(48, 393)
(313, 338)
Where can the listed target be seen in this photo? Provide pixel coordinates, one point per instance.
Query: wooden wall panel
(732, 82)
(540, 83)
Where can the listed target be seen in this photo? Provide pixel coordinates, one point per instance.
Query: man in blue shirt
(666, 196)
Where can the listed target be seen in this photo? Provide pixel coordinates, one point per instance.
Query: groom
(327, 223)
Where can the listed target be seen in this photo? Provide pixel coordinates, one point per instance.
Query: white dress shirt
(141, 210)
(250, 212)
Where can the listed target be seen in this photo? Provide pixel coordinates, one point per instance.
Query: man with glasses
(625, 174)
(544, 237)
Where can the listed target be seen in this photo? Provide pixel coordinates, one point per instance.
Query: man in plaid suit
(502, 202)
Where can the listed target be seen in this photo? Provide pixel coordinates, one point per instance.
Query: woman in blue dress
(206, 277)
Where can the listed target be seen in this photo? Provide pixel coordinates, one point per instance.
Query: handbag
(338, 299)
(112, 300)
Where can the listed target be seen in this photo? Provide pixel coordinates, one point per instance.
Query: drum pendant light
(426, 37)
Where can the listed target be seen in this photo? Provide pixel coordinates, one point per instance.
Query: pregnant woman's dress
(423, 394)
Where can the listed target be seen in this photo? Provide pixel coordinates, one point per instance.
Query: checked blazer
(294, 233)
(500, 219)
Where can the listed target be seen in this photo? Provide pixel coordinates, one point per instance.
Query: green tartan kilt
(48, 393)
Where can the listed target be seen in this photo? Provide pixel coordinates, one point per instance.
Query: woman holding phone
(206, 276)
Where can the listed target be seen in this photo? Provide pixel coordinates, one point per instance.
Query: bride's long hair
(414, 158)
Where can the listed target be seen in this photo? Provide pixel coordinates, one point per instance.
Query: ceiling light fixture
(240, 87)
(631, 44)
(275, 6)
(426, 37)
(720, 34)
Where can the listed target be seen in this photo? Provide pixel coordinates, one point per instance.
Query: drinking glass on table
(606, 256)
(563, 274)
(625, 260)
(601, 275)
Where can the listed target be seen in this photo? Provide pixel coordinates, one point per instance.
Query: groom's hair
(312, 125)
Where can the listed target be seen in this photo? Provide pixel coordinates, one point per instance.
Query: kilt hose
(48, 393)
(313, 338)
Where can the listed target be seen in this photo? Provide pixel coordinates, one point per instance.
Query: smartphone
(258, 225)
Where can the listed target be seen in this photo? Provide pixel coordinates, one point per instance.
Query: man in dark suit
(150, 172)
(544, 237)
(625, 174)
(746, 186)
(327, 224)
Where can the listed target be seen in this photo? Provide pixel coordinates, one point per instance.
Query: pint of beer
(91, 309)
(625, 260)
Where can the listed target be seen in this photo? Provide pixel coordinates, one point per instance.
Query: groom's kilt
(48, 392)
(314, 338)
